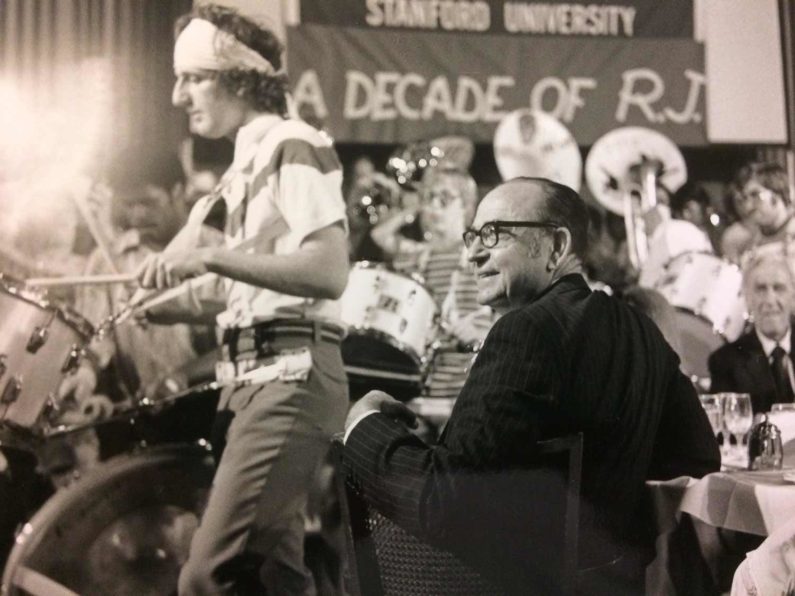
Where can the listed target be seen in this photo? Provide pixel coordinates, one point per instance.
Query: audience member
(739, 235)
(760, 361)
(561, 359)
(765, 195)
(769, 569)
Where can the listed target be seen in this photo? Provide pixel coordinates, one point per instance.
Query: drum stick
(79, 280)
(144, 299)
(80, 197)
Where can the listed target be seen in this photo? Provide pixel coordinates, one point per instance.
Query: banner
(595, 18)
(394, 87)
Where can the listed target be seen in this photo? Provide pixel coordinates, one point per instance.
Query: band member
(427, 240)
(285, 263)
(148, 207)
(447, 198)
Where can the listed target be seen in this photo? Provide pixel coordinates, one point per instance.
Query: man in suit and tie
(561, 359)
(760, 361)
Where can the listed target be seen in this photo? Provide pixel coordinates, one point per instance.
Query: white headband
(202, 45)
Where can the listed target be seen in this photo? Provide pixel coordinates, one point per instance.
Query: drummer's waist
(271, 337)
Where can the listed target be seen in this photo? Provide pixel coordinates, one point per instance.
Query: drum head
(124, 529)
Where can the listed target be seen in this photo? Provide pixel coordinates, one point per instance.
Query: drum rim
(105, 473)
(359, 330)
(64, 312)
(389, 268)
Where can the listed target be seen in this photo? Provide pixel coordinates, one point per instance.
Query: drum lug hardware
(52, 408)
(72, 359)
(3, 365)
(403, 325)
(37, 339)
(368, 314)
(12, 390)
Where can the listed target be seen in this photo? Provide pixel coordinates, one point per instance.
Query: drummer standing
(283, 202)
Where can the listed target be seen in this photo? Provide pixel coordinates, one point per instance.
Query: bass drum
(124, 529)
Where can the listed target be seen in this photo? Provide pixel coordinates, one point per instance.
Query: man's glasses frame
(489, 232)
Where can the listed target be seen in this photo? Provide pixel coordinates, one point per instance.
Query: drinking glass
(737, 416)
(714, 409)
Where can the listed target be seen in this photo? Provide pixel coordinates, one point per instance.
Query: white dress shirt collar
(769, 344)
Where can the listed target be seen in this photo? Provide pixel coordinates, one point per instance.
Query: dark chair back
(384, 559)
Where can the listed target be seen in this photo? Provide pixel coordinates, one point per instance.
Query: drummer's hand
(379, 401)
(471, 330)
(168, 384)
(166, 270)
(80, 384)
(96, 407)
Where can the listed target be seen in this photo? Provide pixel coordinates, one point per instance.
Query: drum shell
(123, 529)
(39, 371)
(709, 288)
(707, 293)
(391, 319)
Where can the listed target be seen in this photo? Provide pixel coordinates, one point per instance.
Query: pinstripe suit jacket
(571, 361)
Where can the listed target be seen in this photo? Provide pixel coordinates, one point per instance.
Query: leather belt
(238, 340)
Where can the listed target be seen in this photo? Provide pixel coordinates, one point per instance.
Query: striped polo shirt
(284, 184)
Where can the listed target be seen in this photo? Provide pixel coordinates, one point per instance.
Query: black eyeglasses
(489, 232)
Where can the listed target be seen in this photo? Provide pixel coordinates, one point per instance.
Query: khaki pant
(251, 533)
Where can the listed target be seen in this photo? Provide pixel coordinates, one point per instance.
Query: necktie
(781, 375)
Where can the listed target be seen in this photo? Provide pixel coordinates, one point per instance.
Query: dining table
(727, 511)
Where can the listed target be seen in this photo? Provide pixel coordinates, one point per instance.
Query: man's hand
(166, 385)
(80, 385)
(472, 329)
(379, 401)
(166, 270)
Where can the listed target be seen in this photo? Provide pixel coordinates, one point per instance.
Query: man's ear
(561, 246)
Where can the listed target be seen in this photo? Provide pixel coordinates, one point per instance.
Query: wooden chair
(384, 559)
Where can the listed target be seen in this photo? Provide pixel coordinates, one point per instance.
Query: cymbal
(613, 156)
(532, 143)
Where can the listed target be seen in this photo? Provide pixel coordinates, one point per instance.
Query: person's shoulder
(294, 142)
(562, 297)
(742, 345)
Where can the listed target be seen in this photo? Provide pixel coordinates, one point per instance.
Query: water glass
(737, 415)
(714, 409)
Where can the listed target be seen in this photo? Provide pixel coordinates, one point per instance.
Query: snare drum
(38, 342)
(707, 291)
(391, 318)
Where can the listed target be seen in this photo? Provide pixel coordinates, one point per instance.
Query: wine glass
(714, 409)
(737, 416)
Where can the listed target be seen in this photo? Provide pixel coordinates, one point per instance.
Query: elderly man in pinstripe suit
(561, 359)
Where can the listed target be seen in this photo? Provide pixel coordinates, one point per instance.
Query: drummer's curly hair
(769, 174)
(266, 93)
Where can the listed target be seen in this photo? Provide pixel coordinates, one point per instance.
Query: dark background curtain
(121, 49)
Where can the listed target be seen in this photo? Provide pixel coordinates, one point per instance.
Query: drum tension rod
(12, 390)
(39, 336)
